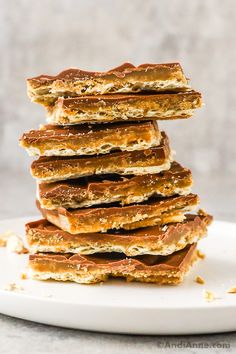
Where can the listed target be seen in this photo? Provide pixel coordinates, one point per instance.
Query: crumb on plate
(23, 276)
(199, 280)
(209, 296)
(200, 254)
(13, 287)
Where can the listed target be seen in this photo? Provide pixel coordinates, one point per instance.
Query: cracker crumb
(13, 287)
(200, 254)
(209, 296)
(23, 251)
(4, 237)
(199, 280)
(15, 244)
(23, 276)
(232, 290)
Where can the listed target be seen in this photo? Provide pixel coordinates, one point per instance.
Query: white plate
(123, 307)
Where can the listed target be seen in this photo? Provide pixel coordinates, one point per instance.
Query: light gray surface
(28, 338)
(45, 37)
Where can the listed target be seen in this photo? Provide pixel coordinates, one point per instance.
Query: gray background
(47, 36)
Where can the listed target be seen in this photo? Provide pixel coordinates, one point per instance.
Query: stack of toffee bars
(114, 202)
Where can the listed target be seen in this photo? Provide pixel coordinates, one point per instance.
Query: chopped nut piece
(199, 280)
(209, 296)
(4, 237)
(15, 244)
(201, 255)
(13, 287)
(232, 290)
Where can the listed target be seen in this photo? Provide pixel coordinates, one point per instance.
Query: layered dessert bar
(99, 267)
(103, 218)
(42, 236)
(138, 162)
(93, 190)
(136, 107)
(54, 140)
(126, 78)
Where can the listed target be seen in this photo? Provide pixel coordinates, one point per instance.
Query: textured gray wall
(46, 36)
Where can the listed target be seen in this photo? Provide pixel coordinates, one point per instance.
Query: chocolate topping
(73, 74)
